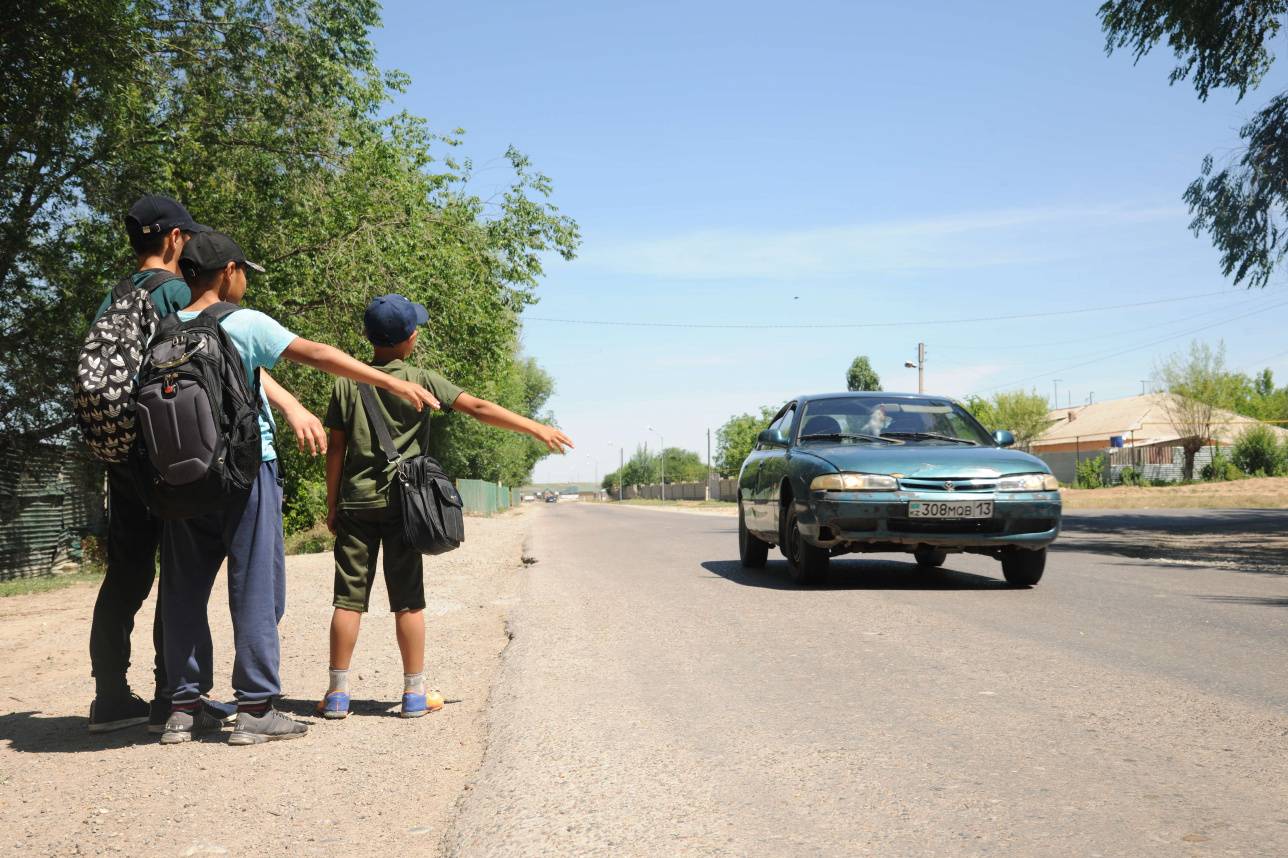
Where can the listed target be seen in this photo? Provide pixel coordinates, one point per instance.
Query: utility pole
(1143, 382)
(661, 443)
(919, 366)
(621, 472)
(1055, 392)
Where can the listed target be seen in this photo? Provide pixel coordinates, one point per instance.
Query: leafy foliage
(271, 120)
(1224, 44)
(1025, 415)
(861, 375)
(1257, 451)
(737, 436)
(645, 468)
(1195, 382)
(1090, 473)
(1221, 468)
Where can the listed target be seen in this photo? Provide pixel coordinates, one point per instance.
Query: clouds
(963, 241)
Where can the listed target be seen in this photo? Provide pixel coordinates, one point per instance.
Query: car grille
(961, 525)
(963, 484)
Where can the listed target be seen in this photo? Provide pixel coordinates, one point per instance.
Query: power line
(900, 324)
(1036, 376)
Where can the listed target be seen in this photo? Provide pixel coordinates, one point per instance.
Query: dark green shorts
(359, 535)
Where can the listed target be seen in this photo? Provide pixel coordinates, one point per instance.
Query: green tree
(1257, 452)
(862, 376)
(1225, 44)
(272, 121)
(684, 466)
(737, 436)
(641, 469)
(1024, 415)
(1195, 382)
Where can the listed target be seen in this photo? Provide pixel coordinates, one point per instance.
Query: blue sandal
(416, 705)
(335, 705)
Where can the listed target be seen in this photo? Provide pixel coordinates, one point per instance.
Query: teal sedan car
(840, 473)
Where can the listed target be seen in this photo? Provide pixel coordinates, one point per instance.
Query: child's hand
(552, 438)
(309, 434)
(414, 393)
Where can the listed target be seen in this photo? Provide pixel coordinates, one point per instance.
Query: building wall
(50, 500)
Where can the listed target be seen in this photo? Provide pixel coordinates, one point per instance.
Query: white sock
(414, 683)
(339, 680)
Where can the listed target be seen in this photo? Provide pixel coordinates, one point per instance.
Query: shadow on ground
(1238, 540)
(857, 575)
(35, 733)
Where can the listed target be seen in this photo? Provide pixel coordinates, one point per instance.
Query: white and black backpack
(108, 363)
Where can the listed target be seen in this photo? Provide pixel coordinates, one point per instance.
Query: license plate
(950, 509)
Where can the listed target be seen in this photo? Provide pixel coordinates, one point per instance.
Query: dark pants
(359, 535)
(132, 539)
(249, 534)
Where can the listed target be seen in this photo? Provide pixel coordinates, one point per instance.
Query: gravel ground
(373, 784)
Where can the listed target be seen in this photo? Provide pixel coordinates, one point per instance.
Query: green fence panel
(483, 498)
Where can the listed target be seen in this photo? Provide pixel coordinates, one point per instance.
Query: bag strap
(220, 310)
(377, 421)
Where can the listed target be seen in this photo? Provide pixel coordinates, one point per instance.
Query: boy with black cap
(248, 532)
(359, 508)
(158, 228)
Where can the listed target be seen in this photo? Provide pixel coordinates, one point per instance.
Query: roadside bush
(1090, 473)
(1221, 469)
(1131, 477)
(1257, 451)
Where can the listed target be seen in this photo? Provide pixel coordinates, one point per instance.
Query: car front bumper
(859, 521)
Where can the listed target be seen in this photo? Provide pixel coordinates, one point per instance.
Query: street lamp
(661, 445)
(919, 366)
(621, 468)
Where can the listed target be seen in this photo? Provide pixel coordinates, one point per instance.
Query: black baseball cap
(210, 251)
(391, 319)
(154, 214)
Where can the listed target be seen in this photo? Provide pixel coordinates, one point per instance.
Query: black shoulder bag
(432, 517)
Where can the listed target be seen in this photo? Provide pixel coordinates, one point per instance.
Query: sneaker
(181, 726)
(224, 713)
(416, 705)
(117, 713)
(269, 727)
(334, 705)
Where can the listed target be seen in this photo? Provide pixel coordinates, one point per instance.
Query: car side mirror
(1004, 438)
(772, 438)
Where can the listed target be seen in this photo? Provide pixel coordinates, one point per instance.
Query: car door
(749, 485)
(773, 468)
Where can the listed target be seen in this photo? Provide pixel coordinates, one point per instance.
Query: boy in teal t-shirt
(362, 512)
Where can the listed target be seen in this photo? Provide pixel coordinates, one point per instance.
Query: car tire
(930, 558)
(807, 564)
(752, 551)
(1023, 568)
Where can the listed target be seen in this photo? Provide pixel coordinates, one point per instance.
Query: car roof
(871, 394)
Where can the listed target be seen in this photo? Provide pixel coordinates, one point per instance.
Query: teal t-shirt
(260, 340)
(170, 297)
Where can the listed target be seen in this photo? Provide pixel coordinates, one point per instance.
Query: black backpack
(432, 516)
(198, 445)
(108, 362)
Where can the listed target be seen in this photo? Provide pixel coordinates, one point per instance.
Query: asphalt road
(659, 699)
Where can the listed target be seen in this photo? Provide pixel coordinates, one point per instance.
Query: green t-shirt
(170, 297)
(364, 482)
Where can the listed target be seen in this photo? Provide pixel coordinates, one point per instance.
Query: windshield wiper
(930, 436)
(858, 435)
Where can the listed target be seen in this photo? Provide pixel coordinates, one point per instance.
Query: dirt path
(373, 784)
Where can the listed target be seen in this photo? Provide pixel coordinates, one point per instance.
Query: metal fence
(483, 498)
(50, 500)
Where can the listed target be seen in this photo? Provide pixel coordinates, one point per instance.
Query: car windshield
(913, 421)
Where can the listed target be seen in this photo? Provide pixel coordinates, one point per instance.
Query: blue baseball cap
(391, 319)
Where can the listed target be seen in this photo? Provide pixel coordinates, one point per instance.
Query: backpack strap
(220, 310)
(377, 421)
(157, 277)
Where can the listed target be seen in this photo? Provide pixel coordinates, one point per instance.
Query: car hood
(927, 460)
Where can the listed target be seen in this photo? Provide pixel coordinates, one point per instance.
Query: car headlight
(1029, 483)
(854, 483)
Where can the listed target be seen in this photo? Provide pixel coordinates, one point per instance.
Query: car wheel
(930, 558)
(751, 551)
(807, 564)
(1023, 568)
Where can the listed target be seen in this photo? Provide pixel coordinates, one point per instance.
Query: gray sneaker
(182, 726)
(269, 727)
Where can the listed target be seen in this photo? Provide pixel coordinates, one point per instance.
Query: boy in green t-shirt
(359, 508)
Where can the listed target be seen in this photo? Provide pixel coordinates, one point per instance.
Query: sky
(851, 177)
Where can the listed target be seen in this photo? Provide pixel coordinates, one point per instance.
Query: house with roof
(1135, 431)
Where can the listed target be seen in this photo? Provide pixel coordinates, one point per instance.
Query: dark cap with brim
(157, 214)
(210, 251)
(392, 319)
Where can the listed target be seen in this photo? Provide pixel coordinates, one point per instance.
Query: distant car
(865, 472)
(552, 497)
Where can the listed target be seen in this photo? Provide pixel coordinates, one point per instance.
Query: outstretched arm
(306, 426)
(331, 360)
(503, 418)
